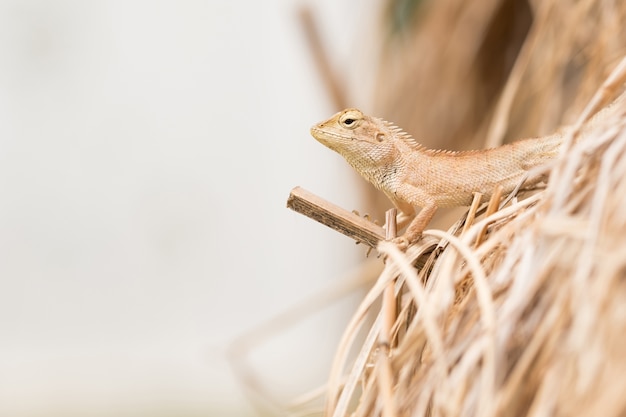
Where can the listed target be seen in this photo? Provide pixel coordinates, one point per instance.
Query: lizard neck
(382, 164)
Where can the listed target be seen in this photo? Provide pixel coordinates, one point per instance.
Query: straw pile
(532, 321)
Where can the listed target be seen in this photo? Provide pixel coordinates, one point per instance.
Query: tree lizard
(414, 177)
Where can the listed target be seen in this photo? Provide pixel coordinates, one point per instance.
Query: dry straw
(532, 322)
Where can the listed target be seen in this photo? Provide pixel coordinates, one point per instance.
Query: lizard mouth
(325, 136)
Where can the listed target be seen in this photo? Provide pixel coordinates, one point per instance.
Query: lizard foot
(367, 217)
(406, 240)
(401, 242)
(369, 249)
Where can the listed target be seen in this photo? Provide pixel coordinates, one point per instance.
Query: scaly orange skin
(413, 177)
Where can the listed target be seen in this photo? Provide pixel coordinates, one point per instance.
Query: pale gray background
(147, 149)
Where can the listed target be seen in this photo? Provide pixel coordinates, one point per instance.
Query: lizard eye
(350, 119)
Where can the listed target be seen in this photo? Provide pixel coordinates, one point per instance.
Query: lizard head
(357, 137)
(372, 146)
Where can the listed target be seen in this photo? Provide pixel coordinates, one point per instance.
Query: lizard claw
(369, 249)
(402, 242)
(367, 217)
(406, 240)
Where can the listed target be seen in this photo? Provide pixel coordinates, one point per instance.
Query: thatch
(532, 321)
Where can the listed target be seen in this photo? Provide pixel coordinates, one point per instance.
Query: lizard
(415, 177)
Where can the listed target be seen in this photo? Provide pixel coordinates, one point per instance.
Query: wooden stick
(385, 378)
(389, 298)
(343, 221)
(491, 208)
(471, 215)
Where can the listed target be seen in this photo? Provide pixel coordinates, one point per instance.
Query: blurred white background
(147, 149)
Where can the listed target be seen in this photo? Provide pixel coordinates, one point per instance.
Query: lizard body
(413, 177)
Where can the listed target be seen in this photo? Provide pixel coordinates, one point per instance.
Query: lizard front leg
(416, 227)
(402, 219)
